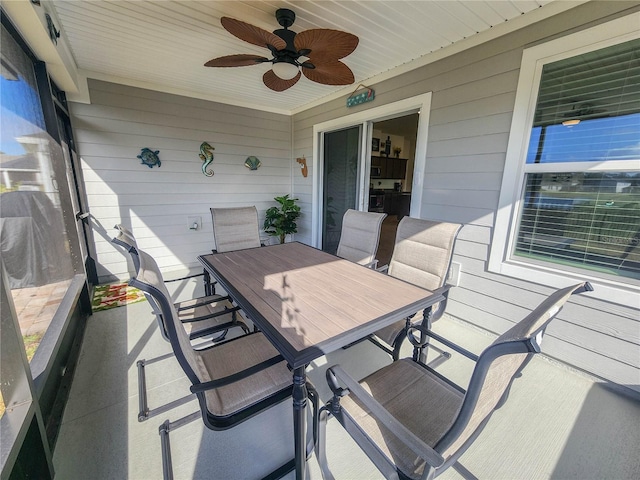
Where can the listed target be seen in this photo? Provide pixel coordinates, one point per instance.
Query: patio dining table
(309, 303)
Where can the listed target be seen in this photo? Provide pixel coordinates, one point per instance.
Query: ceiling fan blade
(325, 43)
(251, 33)
(275, 83)
(236, 61)
(330, 73)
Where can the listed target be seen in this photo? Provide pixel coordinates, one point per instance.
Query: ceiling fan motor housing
(289, 54)
(285, 17)
(287, 36)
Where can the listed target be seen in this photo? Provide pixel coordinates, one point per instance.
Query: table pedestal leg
(300, 420)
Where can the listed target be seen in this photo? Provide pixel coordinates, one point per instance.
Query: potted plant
(280, 221)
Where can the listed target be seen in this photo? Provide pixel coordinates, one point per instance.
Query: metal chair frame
(426, 319)
(524, 338)
(212, 421)
(126, 240)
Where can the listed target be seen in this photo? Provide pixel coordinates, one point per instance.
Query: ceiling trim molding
(542, 13)
(31, 23)
(64, 71)
(177, 91)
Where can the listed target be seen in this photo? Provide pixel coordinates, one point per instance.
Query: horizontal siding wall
(156, 202)
(473, 96)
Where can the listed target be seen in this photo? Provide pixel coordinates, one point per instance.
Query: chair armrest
(444, 291)
(420, 448)
(185, 278)
(383, 268)
(218, 328)
(372, 264)
(425, 332)
(210, 315)
(219, 298)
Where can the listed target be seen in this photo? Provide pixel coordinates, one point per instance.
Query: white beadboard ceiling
(163, 44)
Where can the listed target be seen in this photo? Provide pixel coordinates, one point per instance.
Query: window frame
(507, 219)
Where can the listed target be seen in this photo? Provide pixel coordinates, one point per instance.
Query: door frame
(420, 103)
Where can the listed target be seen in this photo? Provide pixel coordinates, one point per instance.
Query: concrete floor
(557, 424)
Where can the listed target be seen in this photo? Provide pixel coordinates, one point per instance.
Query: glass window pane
(341, 154)
(582, 219)
(33, 240)
(588, 108)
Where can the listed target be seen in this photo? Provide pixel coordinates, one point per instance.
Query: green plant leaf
(281, 221)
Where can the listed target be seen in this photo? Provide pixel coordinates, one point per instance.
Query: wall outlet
(454, 274)
(194, 223)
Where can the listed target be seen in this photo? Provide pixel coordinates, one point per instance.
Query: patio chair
(235, 228)
(421, 256)
(191, 312)
(126, 240)
(205, 320)
(233, 380)
(413, 422)
(360, 236)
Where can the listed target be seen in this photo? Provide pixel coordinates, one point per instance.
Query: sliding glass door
(341, 180)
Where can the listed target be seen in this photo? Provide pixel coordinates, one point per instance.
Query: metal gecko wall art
(206, 155)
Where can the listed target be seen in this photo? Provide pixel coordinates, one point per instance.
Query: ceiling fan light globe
(284, 70)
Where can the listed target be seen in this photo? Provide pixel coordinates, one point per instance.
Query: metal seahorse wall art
(206, 155)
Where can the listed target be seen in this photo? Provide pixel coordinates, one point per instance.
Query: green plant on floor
(281, 221)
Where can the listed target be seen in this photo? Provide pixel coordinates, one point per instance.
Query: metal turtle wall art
(206, 155)
(252, 163)
(149, 157)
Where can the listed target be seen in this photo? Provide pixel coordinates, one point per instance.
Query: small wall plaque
(356, 98)
(303, 166)
(206, 155)
(149, 157)
(252, 163)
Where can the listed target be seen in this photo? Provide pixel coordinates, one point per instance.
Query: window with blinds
(580, 205)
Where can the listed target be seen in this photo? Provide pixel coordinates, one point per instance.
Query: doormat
(115, 295)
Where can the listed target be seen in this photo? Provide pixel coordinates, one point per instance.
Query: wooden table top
(308, 302)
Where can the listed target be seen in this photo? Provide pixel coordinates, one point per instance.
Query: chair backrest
(422, 251)
(360, 236)
(150, 281)
(126, 240)
(123, 229)
(498, 365)
(235, 228)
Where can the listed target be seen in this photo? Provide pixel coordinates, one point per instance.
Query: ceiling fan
(582, 109)
(315, 53)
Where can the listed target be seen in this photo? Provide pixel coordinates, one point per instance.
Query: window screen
(34, 243)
